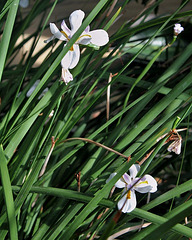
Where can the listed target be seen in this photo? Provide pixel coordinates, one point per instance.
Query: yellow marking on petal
(71, 49)
(129, 195)
(123, 180)
(144, 182)
(65, 34)
(86, 35)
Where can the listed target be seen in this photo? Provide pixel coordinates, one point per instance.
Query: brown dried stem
(97, 144)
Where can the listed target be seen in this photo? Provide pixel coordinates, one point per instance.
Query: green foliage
(150, 87)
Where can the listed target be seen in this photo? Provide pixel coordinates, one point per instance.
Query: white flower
(66, 75)
(131, 183)
(31, 90)
(178, 29)
(175, 146)
(97, 37)
(24, 3)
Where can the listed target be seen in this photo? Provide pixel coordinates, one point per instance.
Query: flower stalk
(97, 144)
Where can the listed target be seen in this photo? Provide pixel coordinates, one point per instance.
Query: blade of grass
(175, 216)
(8, 196)
(4, 44)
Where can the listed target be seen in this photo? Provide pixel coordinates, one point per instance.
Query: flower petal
(65, 28)
(128, 202)
(126, 178)
(49, 39)
(175, 146)
(31, 90)
(99, 37)
(146, 184)
(120, 184)
(178, 29)
(71, 58)
(84, 39)
(66, 61)
(75, 52)
(43, 93)
(24, 3)
(133, 170)
(75, 20)
(66, 76)
(55, 31)
(110, 177)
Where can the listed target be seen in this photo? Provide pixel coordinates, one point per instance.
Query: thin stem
(97, 144)
(48, 156)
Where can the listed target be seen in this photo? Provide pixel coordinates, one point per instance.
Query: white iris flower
(97, 37)
(131, 183)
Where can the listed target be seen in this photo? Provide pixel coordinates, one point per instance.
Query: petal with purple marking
(65, 28)
(55, 31)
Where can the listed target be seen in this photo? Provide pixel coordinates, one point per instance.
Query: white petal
(43, 93)
(99, 37)
(75, 20)
(152, 182)
(65, 28)
(31, 90)
(110, 177)
(120, 184)
(133, 170)
(55, 31)
(66, 61)
(126, 178)
(75, 52)
(84, 39)
(146, 184)
(178, 29)
(124, 181)
(71, 58)
(128, 202)
(66, 76)
(24, 3)
(49, 39)
(175, 146)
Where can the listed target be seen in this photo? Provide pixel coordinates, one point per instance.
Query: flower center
(65, 34)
